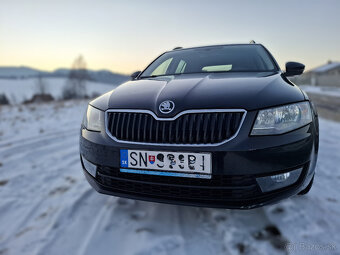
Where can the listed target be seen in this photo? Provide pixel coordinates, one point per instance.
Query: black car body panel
(248, 91)
(237, 163)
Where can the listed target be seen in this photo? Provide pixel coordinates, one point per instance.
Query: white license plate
(197, 165)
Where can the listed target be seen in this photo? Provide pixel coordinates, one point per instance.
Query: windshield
(228, 58)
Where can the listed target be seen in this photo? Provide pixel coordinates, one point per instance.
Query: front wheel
(307, 189)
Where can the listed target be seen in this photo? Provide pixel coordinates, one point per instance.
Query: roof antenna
(252, 42)
(177, 48)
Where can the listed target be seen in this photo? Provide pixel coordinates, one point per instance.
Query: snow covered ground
(19, 90)
(321, 90)
(47, 207)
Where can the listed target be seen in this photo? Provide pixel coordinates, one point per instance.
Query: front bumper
(236, 165)
(243, 196)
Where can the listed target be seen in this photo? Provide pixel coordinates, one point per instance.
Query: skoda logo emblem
(166, 107)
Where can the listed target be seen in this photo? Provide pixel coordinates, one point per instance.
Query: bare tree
(41, 85)
(76, 83)
(3, 99)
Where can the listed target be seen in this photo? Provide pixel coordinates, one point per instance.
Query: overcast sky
(125, 36)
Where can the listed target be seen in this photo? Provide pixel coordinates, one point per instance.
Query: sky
(125, 36)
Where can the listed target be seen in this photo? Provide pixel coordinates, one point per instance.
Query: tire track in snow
(75, 224)
(92, 231)
(48, 154)
(9, 149)
(44, 149)
(38, 137)
(199, 231)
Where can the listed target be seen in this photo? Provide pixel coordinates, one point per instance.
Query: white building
(325, 75)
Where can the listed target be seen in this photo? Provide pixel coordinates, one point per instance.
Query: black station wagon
(213, 126)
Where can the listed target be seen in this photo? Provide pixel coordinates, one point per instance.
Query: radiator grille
(189, 128)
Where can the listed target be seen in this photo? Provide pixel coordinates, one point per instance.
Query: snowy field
(322, 90)
(19, 90)
(47, 207)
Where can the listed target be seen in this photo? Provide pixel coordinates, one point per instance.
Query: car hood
(249, 91)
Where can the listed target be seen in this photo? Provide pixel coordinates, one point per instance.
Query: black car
(214, 126)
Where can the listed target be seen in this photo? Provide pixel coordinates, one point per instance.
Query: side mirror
(134, 75)
(294, 68)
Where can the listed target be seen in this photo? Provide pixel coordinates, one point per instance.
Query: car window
(226, 58)
(181, 66)
(162, 68)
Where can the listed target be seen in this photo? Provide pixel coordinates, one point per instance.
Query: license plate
(181, 164)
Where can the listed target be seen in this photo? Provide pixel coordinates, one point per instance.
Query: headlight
(93, 119)
(282, 119)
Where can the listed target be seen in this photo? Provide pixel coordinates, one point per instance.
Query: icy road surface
(47, 207)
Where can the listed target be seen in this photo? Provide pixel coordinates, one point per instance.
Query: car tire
(307, 189)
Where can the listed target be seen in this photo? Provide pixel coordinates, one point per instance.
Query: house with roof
(326, 75)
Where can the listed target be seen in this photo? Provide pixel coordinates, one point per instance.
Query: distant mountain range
(22, 72)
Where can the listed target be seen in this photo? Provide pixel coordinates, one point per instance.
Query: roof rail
(252, 42)
(177, 48)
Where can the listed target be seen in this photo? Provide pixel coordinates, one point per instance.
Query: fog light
(280, 177)
(89, 167)
(278, 181)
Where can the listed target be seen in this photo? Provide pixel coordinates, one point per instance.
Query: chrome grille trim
(172, 119)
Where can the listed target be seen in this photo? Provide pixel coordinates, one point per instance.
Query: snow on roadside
(321, 90)
(19, 90)
(47, 207)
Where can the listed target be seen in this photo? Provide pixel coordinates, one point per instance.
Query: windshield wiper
(239, 71)
(160, 75)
